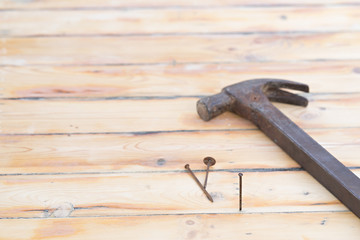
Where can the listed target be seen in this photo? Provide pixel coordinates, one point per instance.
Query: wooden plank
(86, 4)
(97, 199)
(170, 80)
(224, 226)
(72, 116)
(142, 193)
(173, 49)
(162, 151)
(177, 21)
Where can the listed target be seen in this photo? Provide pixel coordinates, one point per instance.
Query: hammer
(251, 100)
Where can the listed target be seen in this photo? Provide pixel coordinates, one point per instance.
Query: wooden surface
(98, 118)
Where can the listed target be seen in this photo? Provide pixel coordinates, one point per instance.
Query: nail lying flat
(187, 167)
(251, 100)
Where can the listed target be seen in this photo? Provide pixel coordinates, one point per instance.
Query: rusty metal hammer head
(247, 97)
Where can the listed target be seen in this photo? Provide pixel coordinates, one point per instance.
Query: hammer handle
(324, 167)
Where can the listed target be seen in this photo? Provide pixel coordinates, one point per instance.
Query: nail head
(209, 160)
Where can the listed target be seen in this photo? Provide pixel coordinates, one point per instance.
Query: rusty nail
(240, 191)
(187, 167)
(209, 161)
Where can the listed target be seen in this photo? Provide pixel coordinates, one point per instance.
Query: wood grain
(144, 193)
(86, 4)
(183, 49)
(249, 150)
(144, 116)
(170, 80)
(245, 226)
(97, 118)
(177, 21)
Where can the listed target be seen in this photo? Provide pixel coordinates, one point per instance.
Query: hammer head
(246, 97)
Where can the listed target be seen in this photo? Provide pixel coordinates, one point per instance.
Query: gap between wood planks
(209, 34)
(235, 170)
(177, 214)
(8, 5)
(172, 63)
(248, 170)
(121, 98)
(142, 133)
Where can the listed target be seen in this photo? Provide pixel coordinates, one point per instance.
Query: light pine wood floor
(98, 118)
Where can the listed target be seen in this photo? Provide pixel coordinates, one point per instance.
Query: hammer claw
(278, 95)
(279, 83)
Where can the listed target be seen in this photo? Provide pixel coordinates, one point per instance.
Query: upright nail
(187, 167)
(240, 191)
(209, 161)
